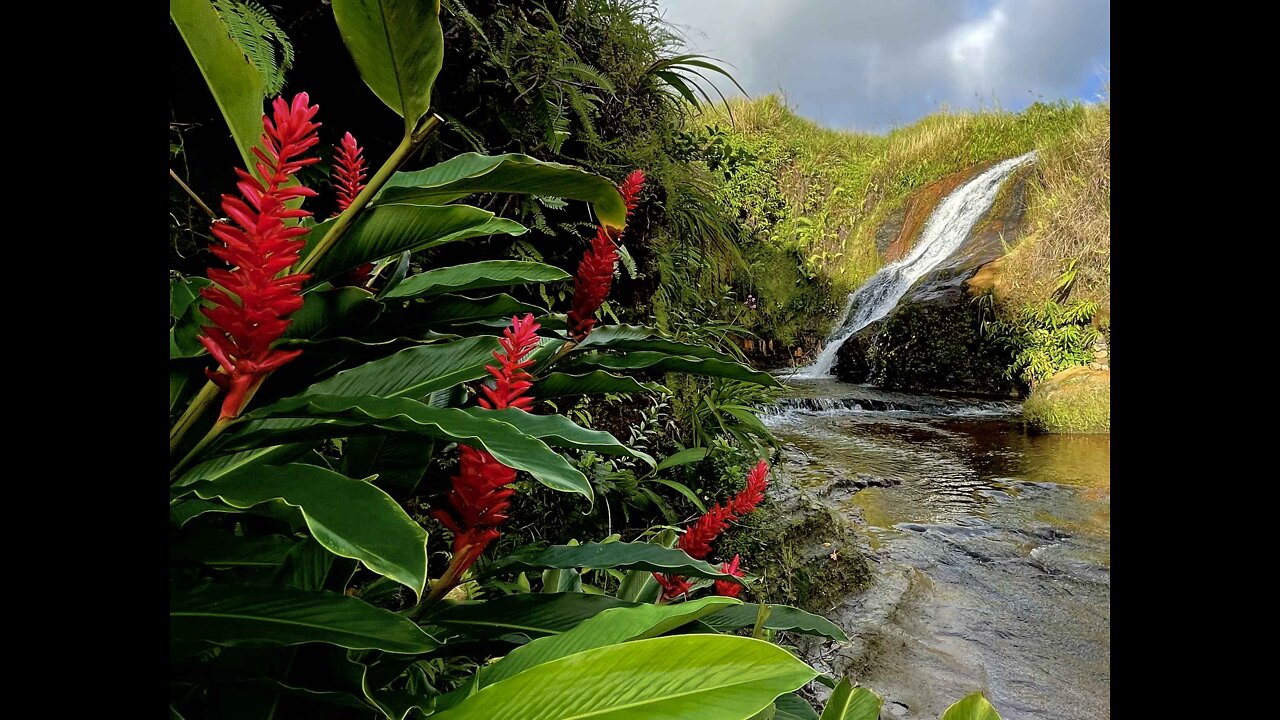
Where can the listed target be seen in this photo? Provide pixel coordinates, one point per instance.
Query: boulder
(1076, 400)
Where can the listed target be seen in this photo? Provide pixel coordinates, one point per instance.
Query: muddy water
(992, 551)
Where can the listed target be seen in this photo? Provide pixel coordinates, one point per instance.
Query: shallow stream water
(992, 552)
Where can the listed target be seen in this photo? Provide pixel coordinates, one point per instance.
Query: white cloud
(875, 63)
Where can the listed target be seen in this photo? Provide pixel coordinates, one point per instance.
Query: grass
(839, 187)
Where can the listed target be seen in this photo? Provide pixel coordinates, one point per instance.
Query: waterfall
(943, 234)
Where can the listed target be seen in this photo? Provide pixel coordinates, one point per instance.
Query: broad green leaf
(781, 617)
(184, 307)
(399, 227)
(971, 707)
(398, 46)
(471, 173)
(341, 416)
(794, 707)
(398, 460)
(236, 85)
(307, 566)
(215, 468)
(684, 457)
(414, 372)
(637, 337)
(640, 586)
(223, 549)
(562, 580)
(617, 625)
(351, 518)
(183, 511)
(229, 615)
(474, 276)
(682, 489)
(495, 310)
(558, 384)
(851, 703)
(711, 677)
(333, 312)
(560, 431)
(662, 362)
(529, 614)
(619, 555)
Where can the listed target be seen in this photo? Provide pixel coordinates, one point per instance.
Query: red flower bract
(595, 271)
(480, 498)
(349, 171)
(697, 538)
(725, 587)
(251, 307)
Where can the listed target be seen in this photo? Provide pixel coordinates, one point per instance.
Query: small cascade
(944, 233)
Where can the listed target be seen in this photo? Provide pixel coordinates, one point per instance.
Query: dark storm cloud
(871, 64)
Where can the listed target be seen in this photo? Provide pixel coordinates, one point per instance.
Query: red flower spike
(595, 271)
(673, 586)
(251, 308)
(511, 381)
(478, 503)
(726, 587)
(697, 538)
(349, 171)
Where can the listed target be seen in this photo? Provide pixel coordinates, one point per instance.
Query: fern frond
(260, 38)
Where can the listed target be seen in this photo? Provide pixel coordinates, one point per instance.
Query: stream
(991, 548)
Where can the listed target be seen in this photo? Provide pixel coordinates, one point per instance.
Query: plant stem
(407, 146)
(217, 429)
(199, 404)
(192, 194)
(762, 617)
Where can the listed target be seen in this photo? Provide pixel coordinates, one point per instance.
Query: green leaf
(640, 586)
(971, 707)
(395, 228)
(351, 518)
(398, 460)
(661, 362)
(340, 416)
(794, 707)
(637, 337)
(398, 46)
(217, 467)
(682, 489)
(851, 703)
(474, 276)
(722, 677)
(237, 86)
(307, 565)
(493, 310)
(184, 307)
(221, 549)
(560, 431)
(617, 625)
(414, 372)
(471, 173)
(333, 312)
(618, 555)
(781, 617)
(530, 614)
(229, 615)
(559, 384)
(684, 457)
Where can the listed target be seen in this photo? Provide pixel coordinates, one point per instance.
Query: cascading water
(943, 234)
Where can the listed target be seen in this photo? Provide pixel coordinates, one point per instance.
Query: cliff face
(933, 340)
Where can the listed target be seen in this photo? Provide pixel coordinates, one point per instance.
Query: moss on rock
(1076, 400)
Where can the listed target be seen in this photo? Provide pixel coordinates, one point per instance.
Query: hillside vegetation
(810, 200)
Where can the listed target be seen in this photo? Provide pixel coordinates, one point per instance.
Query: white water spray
(943, 234)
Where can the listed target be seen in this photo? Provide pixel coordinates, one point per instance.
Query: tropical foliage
(353, 414)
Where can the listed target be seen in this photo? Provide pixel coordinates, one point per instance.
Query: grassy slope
(838, 187)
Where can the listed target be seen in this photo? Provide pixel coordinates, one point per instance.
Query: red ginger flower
(595, 271)
(480, 498)
(349, 171)
(697, 538)
(252, 306)
(725, 587)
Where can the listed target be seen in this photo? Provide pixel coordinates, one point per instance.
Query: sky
(878, 64)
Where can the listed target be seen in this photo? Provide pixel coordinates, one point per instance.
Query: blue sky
(876, 64)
